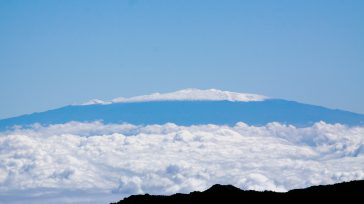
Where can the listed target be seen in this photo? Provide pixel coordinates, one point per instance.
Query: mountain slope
(191, 107)
(192, 112)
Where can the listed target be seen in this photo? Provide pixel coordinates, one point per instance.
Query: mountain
(187, 95)
(229, 194)
(190, 107)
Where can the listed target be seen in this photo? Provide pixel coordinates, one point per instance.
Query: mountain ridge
(230, 194)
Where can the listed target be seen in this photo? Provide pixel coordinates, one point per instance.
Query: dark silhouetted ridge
(348, 191)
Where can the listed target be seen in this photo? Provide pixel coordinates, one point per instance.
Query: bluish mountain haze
(192, 113)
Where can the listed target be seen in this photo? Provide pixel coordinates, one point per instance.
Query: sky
(54, 53)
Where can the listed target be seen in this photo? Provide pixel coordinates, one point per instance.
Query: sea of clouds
(99, 163)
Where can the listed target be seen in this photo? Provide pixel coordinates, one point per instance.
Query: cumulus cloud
(70, 162)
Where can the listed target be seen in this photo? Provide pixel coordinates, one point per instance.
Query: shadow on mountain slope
(353, 190)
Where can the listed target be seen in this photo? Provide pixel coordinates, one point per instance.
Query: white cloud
(51, 164)
(186, 95)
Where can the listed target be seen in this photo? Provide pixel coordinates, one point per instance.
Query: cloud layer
(73, 161)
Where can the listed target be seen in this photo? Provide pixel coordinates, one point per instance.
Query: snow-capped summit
(95, 101)
(187, 95)
(190, 107)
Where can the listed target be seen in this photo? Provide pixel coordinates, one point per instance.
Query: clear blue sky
(54, 53)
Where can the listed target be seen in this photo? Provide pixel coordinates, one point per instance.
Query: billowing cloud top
(99, 163)
(186, 95)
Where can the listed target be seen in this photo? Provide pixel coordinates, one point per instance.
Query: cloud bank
(96, 162)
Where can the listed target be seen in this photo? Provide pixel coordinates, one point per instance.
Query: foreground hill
(229, 194)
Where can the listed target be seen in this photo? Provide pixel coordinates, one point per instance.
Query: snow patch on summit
(96, 101)
(186, 95)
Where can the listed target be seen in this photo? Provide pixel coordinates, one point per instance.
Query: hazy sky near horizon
(54, 53)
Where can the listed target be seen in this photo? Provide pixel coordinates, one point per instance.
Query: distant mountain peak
(190, 94)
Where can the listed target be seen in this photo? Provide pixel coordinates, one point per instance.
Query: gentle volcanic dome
(178, 142)
(186, 95)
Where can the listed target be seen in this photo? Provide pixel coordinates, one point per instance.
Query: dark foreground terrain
(348, 192)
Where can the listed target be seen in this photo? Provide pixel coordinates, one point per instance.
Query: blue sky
(54, 53)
